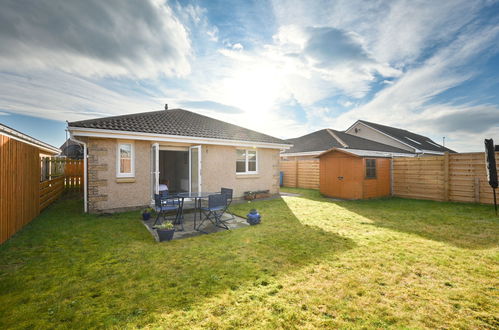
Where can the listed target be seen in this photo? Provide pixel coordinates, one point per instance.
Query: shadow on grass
(72, 269)
(464, 225)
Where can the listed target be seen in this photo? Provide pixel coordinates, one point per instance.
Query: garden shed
(355, 174)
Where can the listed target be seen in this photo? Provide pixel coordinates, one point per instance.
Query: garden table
(197, 197)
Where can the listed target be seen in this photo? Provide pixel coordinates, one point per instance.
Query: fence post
(446, 176)
(477, 190)
(296, 175)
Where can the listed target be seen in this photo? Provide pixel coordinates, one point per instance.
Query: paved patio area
(189, 230)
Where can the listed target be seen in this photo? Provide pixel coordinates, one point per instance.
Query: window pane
(252, 155)
(241, 155)
(370, 168)
(252, 166)
(240, 166)
(126, 165)
(126, 151)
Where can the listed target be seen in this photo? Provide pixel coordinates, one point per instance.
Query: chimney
(166, 106)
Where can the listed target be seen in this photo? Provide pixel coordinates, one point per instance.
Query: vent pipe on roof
(166, 106)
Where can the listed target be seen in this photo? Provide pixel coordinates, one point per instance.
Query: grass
(312, 263)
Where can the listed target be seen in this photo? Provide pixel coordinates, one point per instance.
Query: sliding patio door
(155, 169)
(195, 169)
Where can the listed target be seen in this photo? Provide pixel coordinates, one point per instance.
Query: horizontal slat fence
(300, 173)
(50, 191)
(453, 177)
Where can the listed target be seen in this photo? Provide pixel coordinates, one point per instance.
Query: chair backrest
(217, 200)
(157, 200)
(228, 192)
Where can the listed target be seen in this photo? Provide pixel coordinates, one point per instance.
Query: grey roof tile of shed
(323, 140)
(405, 136)
(177, 122)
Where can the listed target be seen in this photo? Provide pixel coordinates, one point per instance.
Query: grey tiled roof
(425, 143)
(324, 140)
(177, 122)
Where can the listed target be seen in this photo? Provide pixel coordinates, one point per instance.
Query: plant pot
(253, 218)
(165, 234)
(249, 197)
(146, 216)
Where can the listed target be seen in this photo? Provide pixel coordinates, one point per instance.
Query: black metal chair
(228, 192)
(165, 203)
(215, 210)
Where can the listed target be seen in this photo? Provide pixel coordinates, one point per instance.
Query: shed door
(341, 177)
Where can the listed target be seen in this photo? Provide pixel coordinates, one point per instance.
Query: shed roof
(6, 130)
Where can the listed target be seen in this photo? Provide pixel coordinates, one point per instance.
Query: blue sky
(285, 68)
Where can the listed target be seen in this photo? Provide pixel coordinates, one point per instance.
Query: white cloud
(94, 38)
(61, 96)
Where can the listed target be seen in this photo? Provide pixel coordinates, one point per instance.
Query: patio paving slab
(189, 230)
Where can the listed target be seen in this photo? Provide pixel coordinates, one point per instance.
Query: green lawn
(312, 263)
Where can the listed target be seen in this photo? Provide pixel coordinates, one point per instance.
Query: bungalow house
(129, 156)
(397, 137)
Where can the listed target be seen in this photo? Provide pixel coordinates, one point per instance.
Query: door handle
(340, 178)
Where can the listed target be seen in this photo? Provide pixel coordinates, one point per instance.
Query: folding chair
(214, 211)
(164, 203)
(228, 192)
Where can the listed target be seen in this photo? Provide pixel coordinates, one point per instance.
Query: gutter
(85, 179)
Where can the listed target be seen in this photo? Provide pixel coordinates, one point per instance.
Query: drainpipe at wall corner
(85, 206)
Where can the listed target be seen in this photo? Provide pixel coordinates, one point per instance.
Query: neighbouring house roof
(15, 134)
(72, 149)
(326, 139)
(177, 122)
(414, 140)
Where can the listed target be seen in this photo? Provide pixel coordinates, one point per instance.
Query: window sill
(247, 175)
(125, 180)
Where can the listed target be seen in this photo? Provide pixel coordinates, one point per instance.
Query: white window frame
(118, 173)
(246, 163)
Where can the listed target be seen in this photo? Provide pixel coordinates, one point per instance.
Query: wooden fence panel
(301, 173)
(22, 195)
(19, 185)
(50, 191)
(453, 177)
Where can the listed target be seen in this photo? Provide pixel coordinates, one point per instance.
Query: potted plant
(253, 217)
(165, 231)
(146, 213)
(249, 195)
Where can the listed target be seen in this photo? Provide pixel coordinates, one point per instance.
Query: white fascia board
(431, 152)
(374, 153)
(307, 153)
(416, 150)
(31, 141)
(112, 134)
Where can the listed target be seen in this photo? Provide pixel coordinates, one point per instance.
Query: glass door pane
(155, 168)
(195, 169)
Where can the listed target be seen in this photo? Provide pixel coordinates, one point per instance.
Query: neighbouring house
(311, 145)
(320, 160)
(72, 149)
(397, 137)
(129, 156)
